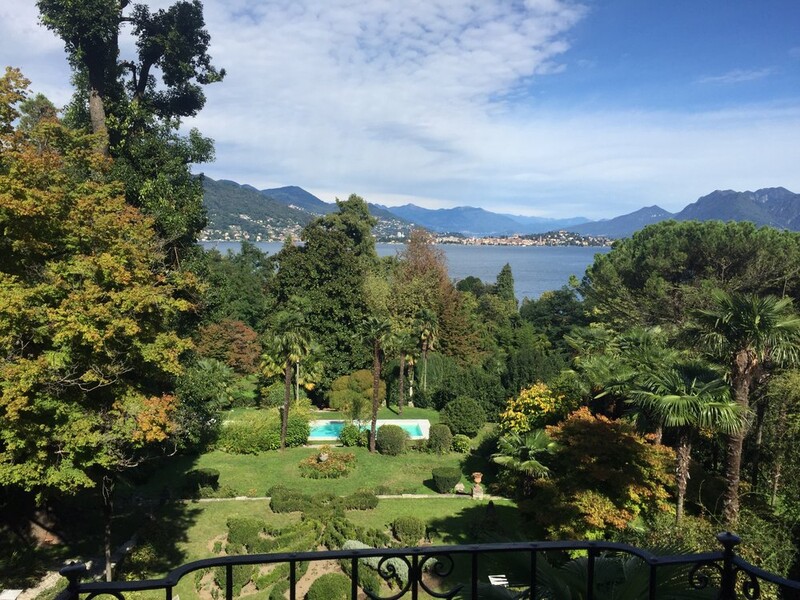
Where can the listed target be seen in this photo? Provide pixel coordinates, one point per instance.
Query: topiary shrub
(282, 500)
(445, 478)
(461, 444)
(463, 415)
(408, 530)
(391, 440)
(352, 435)
(331, 586)
(244, 531)
(360, 500)
(439, 439)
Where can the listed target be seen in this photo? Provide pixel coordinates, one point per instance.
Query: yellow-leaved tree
(87, 314)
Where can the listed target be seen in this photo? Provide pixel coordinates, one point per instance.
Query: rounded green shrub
(352, 435)
(408, 530)
(445, 478)
(439, 439)
(463, 415)
(360, 500)
(297, 431)
(331, 586)
(391, 440)
(461, 443)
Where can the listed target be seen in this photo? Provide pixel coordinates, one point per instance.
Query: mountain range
(239, 211)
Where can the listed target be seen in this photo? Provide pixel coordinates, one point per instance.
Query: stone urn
(477, 476)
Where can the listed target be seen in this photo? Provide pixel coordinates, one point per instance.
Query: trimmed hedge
(391, 440)
(262, 432)
(445, 478)
(464, 415)
(352, 435)
(360, 500)
(409, 530)
(330, 586)
(439, 439)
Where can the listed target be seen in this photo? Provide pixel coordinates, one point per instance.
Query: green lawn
(409, 412)
(253, 475)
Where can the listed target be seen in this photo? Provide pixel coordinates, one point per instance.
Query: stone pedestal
(477, 491)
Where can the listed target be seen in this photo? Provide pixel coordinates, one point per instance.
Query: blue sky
(538, 107)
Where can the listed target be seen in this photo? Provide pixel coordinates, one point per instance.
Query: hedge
(445, 478)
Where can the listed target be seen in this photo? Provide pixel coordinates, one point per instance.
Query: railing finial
(73, 572)
(729, 542)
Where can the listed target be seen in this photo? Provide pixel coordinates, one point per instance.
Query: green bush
(352, 435)
(461, 443)
(409, 530)
(360, 500)
(331, 586)
(439, 439)
(391, 440)
(261, 432)
(283, 500)
(241, 577)
(278, 591)
(464, 415)
(244, 531)
(445, 478)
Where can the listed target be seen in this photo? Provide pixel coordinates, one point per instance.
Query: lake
(536, 269)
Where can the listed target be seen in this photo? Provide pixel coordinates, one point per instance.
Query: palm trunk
(376, 382)
(758, 439)
(287, 397)
(425, 368)
(741, 377)
(683, 460)
(780, 433)
(401, 400)
(658, 434)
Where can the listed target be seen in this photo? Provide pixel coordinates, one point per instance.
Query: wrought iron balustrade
(720, 574)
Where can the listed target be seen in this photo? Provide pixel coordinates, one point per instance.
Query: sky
(551, 108)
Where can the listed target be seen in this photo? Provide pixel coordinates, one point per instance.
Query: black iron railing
(721, 574)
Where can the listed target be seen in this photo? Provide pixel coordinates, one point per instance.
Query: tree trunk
(758, 439)
(107, 491)
(780, 434)
(683, 459)
(401, 400)
(741, 377)
(411, 384)
(658, 434)
(287, 396)
(376, 382)
(425, 367)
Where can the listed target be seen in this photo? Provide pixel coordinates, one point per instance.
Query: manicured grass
(409, 412)
(253, 475)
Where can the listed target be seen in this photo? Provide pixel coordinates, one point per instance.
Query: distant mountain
(241, 211)
(237, 211)
(777, 207)
(465, 220)
(297, 197)
(625, 225)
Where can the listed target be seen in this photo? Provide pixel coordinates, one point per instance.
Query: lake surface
(536, 269)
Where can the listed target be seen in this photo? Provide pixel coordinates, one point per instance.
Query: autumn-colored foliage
(232, 342)
(86, 313)
(603, 476)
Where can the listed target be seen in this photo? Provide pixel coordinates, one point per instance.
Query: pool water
(328, 430)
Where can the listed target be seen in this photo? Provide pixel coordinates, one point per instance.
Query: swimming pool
(327, 430)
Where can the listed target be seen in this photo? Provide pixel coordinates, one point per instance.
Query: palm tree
(745, 331)
(518, 452)
(428, 328)
(400, 343)
(688, 396)
(291, 343)
(376, 332)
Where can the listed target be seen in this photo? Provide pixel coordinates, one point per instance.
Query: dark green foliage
(297, 431)
(554, 313)
(242, 574)
(244, 531)
(504, 287)
(360, 500)
(330, 586)
(391, 440)
(283, 500)
(474, 286)
(196, 479)
(463, 415)
(439, 439)
(461, 443)
(408, 530)
(445, 478)
(352, 435)
(278, 591)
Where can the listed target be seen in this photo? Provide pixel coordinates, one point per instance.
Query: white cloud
(427, 102)
(739, 76)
